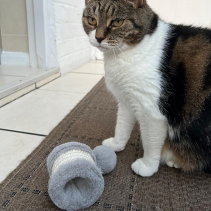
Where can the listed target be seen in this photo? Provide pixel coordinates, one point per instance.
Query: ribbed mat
(92, 121)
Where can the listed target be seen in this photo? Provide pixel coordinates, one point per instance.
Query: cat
(160, 75)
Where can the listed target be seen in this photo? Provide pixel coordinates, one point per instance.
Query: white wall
(190, 12)
(73, 47)
(45, 34)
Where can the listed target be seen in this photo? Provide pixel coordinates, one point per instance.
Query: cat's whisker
(85, 42)
(114, 53)
(120, 50)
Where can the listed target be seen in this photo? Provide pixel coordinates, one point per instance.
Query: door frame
(42, 34)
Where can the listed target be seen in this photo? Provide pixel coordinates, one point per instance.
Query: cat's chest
(135, 83)
(133, 75)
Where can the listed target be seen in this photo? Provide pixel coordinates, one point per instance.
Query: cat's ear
(87, 1)
(136, 3)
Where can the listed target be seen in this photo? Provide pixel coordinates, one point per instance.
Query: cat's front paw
(117, 147)
(140, 168)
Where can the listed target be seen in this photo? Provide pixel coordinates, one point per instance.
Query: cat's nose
(99, 39)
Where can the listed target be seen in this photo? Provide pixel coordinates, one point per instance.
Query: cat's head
(116, 23)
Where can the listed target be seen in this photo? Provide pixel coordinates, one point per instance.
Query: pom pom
(106, 159)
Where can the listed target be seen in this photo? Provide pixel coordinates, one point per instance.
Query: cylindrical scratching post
(76, 180)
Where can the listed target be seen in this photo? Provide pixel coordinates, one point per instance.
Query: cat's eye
(92, 21)
(117, 23)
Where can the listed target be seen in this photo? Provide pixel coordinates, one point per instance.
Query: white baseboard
(15, 58)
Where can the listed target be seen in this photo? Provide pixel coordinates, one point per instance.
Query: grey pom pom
(106, 158)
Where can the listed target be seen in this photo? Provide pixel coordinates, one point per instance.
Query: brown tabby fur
(104, 11)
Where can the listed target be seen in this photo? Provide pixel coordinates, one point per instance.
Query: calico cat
(160, 74)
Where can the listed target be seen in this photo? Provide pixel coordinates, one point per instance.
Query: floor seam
(82, 93)
(22, 132)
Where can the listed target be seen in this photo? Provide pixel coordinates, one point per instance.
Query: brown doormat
(92, 121)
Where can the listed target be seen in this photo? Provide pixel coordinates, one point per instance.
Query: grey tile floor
(25, 122)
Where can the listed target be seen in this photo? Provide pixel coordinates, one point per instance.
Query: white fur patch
(133, 75)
